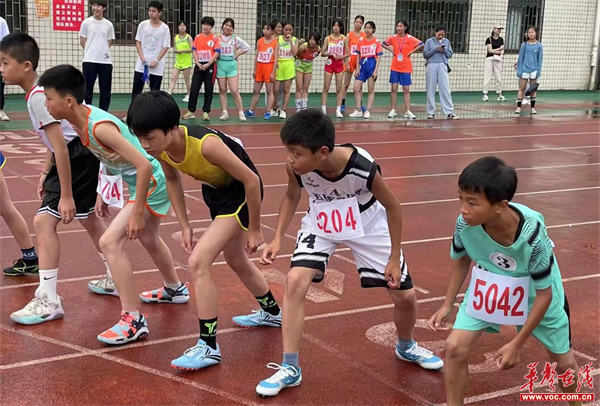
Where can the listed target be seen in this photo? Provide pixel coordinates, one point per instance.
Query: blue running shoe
(421, 356)
(249, 113)
(286, 377)
(267, 116)
(343, 108)
(167, 295)
(258, 318)
(198, 357)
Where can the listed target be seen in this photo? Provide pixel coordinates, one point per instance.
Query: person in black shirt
(493, 63)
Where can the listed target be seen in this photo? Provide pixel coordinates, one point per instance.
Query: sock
(48, 279)
(105, 264)
(519, 102)
(299, 104)
(343, 102)
(30, 256)
(291, 358)
(533, 103)
(173, 286)
(324, 109)
(208, 332)
(304, 104)
(135, 314)
(268, 303)
(404, 345)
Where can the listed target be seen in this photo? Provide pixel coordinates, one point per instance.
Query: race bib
(498, 299)
(336, 50)
(285, 53)
(264, 57)
(204, 56)
(337, 220)
(353, 49)
(110, 188)
(227, 50)
(367, 50)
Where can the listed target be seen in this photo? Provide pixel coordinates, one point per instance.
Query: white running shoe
(533, 111)
(39, 310)
(392, 113)
(339, 114)
(105, 286)
(501, 98)
(356, 114)
(485, 97)
(224, 116)
(242, 116)
(274, 113)
(3, 116)
(282, 115)
(186, 98)
(367, 114)
(409, 115)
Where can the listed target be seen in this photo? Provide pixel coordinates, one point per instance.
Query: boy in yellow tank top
(232, 189)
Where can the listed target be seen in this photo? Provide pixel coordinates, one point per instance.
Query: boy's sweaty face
(475, 207)
(302, 160)
(12, 71)
(155, 142)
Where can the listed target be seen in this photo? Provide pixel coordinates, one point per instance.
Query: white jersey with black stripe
(356, 180)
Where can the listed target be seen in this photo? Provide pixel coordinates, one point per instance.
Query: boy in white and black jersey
(350, 204)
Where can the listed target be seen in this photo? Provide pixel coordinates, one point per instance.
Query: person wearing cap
(493, 62)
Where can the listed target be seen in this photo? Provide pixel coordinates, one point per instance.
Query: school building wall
(567, 38)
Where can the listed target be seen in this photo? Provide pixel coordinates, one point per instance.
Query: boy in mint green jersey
(515, 279)
(110, 140)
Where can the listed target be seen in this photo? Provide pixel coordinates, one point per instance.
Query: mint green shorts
(158, 202)
(554, 332)
(227, 69)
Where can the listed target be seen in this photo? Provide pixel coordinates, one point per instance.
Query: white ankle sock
(48, 278)
(105, 264)
(173, 286)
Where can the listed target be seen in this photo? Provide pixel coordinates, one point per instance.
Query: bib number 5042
(491, 303)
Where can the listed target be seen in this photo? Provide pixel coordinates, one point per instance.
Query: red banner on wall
(68, 14)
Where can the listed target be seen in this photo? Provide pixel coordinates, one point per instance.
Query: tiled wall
(567, 37)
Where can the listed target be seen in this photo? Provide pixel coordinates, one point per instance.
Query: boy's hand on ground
(437, 321)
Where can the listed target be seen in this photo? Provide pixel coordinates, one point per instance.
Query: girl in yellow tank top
(182, 45)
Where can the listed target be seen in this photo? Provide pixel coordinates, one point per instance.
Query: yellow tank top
(195, 164)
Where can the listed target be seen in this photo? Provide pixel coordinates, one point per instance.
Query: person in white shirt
(152, 40)
(96, 36)
(3, 33)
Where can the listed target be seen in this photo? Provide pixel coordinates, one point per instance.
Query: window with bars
(307, 15)
(15, 14)
(522, 14)
(126, 15)
(424, 15)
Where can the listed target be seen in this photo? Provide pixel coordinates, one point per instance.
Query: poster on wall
(42, 8)
(68, 14)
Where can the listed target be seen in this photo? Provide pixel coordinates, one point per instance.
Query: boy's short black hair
(440, 27)
(309, 129)
(103, 3)
(156, 4)
(271, 26)
(155, 110)
(492, 177)
(66, 80)
(208, 20)
(22, 48)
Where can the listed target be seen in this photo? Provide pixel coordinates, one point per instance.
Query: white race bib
(110, 188)
(264, 57)
(227, 50)
(497, 298)
(336, 49)
(353, 49)
(204, 56)
(337, 220)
